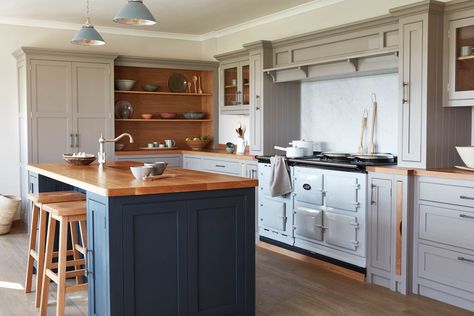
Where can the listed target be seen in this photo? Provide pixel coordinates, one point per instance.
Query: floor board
(285, 287)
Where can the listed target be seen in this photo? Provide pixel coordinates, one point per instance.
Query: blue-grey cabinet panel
(98, 259)
(217, 256)
(154, 249)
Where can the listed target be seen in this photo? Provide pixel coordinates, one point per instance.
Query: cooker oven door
(341, 230)
(308, 223)
(272, 214)
(341, 192)
(308, 186)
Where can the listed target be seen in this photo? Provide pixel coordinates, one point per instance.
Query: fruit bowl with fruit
(197, 142)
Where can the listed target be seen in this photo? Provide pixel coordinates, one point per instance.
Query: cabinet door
(217, 257)
(412, 92)
(192, 163)
(380, 223)
(244, 84)
(461, 62)
(92, 105)
(256, 110)
(51, 110)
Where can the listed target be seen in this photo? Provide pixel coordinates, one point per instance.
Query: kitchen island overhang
(176, 246)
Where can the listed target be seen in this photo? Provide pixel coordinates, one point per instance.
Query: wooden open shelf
(165, 93)
(466, 57)
(161, 120)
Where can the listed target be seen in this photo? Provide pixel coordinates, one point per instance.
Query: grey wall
(331, 111)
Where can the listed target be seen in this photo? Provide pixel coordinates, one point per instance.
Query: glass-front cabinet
(235, 92)
(461, 62)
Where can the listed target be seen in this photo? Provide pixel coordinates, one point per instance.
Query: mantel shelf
(164, 93)
(161, 120)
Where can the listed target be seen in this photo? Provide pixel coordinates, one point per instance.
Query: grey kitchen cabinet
(459, 67)
(175, 161)
(388, 255)
(234, 84)
(443, 254)
(427, 131)
(227, 166)
(65, 101)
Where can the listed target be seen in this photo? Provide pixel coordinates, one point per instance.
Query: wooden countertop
(205, 152)
(117, 179)
(448, 173)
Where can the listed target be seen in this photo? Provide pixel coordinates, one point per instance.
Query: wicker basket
(9, 206)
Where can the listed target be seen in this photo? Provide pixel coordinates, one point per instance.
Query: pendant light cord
(87, 13)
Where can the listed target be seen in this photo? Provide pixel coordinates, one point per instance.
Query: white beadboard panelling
(331, 112)
(227, 125)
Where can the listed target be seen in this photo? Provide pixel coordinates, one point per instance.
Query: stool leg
(31, 246)
(61, 294)
(41, 254)
(48, 261)
(76, 253)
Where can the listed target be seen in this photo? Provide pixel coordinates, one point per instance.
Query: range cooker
(326, 212)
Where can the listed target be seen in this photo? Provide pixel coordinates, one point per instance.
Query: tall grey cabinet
(65, 103)
(428, 132)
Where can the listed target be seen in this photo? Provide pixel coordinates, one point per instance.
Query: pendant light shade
(134, 12)
(88, 35)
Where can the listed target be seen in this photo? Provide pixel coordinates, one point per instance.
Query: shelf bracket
(304, 69)
(272, 74)
(354, 62)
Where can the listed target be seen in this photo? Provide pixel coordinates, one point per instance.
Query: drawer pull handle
(220, 166)
(465, 259)
(463, 197)
(466, 216)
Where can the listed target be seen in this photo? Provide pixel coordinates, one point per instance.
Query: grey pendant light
(88, 35)
(134, 12)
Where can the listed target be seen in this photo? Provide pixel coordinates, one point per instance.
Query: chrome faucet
(102, 142)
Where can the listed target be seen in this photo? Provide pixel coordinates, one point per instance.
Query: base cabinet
(388, 254)
(159, 255)
(443, 262)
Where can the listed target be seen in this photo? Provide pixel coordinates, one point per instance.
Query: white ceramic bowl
(141, 171)
(124, 84)
(467, 155)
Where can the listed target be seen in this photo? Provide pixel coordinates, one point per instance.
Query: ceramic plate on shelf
(123, 110)
(177, 83)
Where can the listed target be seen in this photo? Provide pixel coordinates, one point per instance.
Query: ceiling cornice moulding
(306, 7)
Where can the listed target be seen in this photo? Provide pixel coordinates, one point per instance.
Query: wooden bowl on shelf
(197, 144)
(168, 115)
(147, 116)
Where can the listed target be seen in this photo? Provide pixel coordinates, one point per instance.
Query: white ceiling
(194, 17)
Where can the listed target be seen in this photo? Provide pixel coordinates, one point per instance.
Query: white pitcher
(241, 145)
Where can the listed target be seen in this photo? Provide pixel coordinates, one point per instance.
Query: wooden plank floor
(285, 287)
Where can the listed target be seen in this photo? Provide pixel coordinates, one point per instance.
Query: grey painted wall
(331, 111)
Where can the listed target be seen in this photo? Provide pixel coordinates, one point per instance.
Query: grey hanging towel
(280, 183)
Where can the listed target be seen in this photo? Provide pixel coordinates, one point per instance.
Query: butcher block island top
(117, 180)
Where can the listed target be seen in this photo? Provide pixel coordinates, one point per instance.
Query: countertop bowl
(158, 167)
(141, 171)
(467, 155)
(197, 144)
(79, 161)
(150, 88)
(193, 115)
(168, 115)
(124, 84)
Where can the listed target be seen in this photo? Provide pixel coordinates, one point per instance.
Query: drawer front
(444, 193)
(173, 161)
(272, 214)
(192, 163)
(447, 267)
(448, 226)
(308, 223)
(221, 166)
(308, 186)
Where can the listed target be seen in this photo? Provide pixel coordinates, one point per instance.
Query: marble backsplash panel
(331, 112)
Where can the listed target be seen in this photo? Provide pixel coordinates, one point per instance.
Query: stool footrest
(69, 263)
(77, 288)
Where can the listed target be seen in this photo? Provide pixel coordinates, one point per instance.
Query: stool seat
(66, 208)
(56, 197)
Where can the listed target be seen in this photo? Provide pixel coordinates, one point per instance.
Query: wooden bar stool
(67, 214)
(38, 201)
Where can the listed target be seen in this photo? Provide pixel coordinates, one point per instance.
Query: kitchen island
(177, 246)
